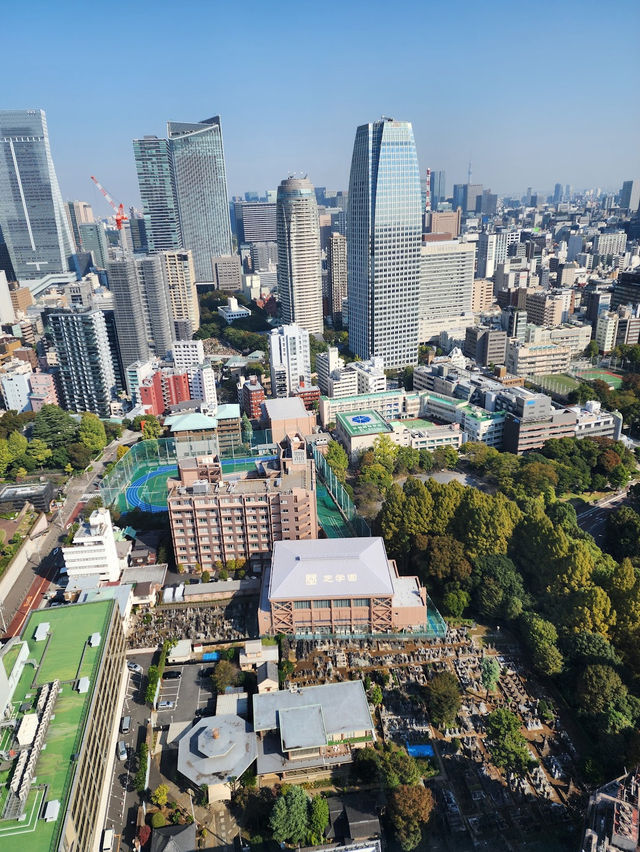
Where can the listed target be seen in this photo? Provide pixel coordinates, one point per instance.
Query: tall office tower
(384, 234)
(138, 230)
(156, 179)
(129, 312)
(226, 273)
(446, 287)
(568, 192)
(264, 256)
(94, 239)
(574, 247)
(201, 187)
(86, 374)
(438, 188)
(630, 195)
(557, 193)
(488, 202)
(255, 222)
(289, 359)
(299, 262)
(472, 192)
(492, 250)
(78, 213)
(33, 217)
(183, 295)
(157, 303)
(337, 271)
(458, 199)
(514, 320)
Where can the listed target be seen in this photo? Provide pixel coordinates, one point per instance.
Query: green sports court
(614, 380)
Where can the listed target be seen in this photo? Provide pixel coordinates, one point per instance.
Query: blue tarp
(422, 750)
(210, 657)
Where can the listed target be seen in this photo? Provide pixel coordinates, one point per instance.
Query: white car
(166, 705)
(134, 667)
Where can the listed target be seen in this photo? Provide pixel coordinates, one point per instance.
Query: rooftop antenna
(469, 172)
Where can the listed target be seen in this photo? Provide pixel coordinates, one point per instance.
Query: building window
(361, 601)
(344, 602)
(321, 604)
(302, 604)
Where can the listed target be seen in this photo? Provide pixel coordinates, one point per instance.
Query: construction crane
(118, 208)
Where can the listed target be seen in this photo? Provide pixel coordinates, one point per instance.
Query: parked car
(166, 705)
(134, 667)
(125, 724)
(107, 840)
(121, 750)
(172, 675)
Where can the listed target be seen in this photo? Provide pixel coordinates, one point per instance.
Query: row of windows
(326, 604)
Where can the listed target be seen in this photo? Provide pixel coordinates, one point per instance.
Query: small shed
(268, 677)
(181, 652)
(42, 631)
(52, 811)
(83, 685)
(94, 640)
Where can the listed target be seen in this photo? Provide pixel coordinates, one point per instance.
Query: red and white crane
(118, 208)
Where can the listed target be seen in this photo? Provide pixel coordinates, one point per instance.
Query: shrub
(158, 820)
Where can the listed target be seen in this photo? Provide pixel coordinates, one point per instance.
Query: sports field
(558, 383)
(613, 379)
(71, 626)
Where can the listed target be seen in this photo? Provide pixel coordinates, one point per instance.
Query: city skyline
(473, 103)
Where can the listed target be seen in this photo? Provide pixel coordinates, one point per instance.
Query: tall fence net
(340, 497)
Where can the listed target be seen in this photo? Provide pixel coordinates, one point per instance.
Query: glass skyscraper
(201, 189)
(156, 180)
(384, 235)
(33, 218)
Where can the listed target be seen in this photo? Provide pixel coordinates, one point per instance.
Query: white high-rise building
(446, 287)
(326, 363)
(187, 353)
(492, 250)
(94, 549)
(384, 234)
(202, 385)
(299, 258)
(15, 386)
(289, 359)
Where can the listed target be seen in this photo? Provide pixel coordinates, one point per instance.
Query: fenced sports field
(611, 378)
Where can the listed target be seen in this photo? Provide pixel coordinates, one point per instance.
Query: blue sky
(533, 93)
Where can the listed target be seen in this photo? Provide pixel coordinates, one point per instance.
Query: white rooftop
(41, 631)
(283, 409)
(332, 567)
(27, 729)
(83, 685)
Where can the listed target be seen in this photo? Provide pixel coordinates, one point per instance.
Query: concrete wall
(30, 547)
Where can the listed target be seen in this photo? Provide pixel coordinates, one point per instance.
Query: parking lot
(190, 694)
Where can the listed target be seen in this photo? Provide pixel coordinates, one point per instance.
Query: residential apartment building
(166, 387)
(187, 353)
(607, 331)
(544, 309)
(485, 345)
(337, 275)
(215, 520)
(482, 295)
(609, 243)
(299, 258)
(157, 183)
(251, 395)
(326, 363)
(289, 359)
(81, 342)
(183, 295)
(15, 385)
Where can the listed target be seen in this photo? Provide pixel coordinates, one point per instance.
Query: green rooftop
(413, 423)
(189, 422)
(358, 423)
(64, 656)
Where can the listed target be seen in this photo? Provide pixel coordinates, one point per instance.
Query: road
(594, 520)
(33, 582)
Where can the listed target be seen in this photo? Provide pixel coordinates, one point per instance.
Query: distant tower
(469, 173)
(299, 258)
(427, 200)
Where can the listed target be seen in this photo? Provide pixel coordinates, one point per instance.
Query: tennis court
(558, 383)
(612, 379)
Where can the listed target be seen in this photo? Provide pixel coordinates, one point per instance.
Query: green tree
(455, 602)
(418, 505)
(289, 817)
(152, 428)
(318, 817)
(158, 820)
(391, 521)
(38, 451)
(409, 809)
(91, 433)
(337, 459)
(17, 445)
(447, 560)
(375, 695)
(598, 686)
(160, 795)
(507, 745)
(54, 426)
(79, 455)
(591, 351)
(121, 451)
(5, 456)
(443, 696)
(384, 452)
(489, 673)
(225, 674)
(247, 429)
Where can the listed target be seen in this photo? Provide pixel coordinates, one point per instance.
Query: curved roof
(187, 422)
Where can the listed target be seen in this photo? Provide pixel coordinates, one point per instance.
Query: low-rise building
(521, 435)
(287, 417)
(233, 311)
(592, 421)
(94, 549)
(194, 433)
(305, 732)
(338, 586)
(525, 359)
(15, 497)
